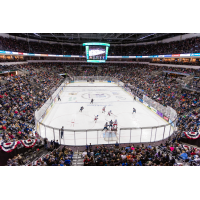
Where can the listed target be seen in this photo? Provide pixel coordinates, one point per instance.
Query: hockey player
(134, 110)
(104, 109)
(81, 109)
(115, 124)
(95, 118)
(105, 126)
(92, 101)
(59, 99)
(110, 112)
(111, 123)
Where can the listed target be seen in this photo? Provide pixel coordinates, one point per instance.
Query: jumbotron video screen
(96, 52)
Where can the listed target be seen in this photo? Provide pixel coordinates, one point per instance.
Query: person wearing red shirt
(193, 153)
(4, 127)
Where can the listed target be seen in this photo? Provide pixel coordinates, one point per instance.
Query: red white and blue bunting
(29, 143)
(192, 135)
(9, 146)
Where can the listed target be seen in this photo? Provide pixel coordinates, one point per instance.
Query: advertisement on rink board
(159, 113)
(145, 104)
(170, 121)
(154, 110)
(141, 100)
(166, 118)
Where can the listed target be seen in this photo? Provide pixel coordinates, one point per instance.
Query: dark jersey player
(134, 110)
(92, 100)
(81, 109)
(105, 127)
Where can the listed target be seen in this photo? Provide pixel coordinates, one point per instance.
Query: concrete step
(79, 156)
(79, 164)
(78, 159)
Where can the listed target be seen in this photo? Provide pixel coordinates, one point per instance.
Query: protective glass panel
(80, 138)
(159, 135)
(146, 135)
(49, 133)
(135, 135)
(68, 137)
(124, 136)
(92, 137)
(103, 137)
(41, 129)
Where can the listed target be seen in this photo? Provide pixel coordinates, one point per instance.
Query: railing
(97, 136)
(95, 78)
(122, 135)
(191, 87)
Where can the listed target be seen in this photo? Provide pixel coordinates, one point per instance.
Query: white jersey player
(95, 118)
(109, 112)
(115, 123)
(104, 109)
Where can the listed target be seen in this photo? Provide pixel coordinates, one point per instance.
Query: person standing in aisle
(62, 131)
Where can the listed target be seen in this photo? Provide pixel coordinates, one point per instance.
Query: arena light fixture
(37, 35)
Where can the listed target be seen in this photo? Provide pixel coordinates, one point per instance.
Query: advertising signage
(166, 118)
(105, 45)
(159, 113)
(170, 121)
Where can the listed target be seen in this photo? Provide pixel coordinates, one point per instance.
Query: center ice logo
(95, 96)
(100, 96)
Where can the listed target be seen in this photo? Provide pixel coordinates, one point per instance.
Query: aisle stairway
(77, 160)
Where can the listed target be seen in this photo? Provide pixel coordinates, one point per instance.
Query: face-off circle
(99, 95)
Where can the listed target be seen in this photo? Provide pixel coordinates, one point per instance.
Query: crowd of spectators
(58, 157)
(36, 47)
(191, 45)
(20, 96)
(169, 154)
(189, 122)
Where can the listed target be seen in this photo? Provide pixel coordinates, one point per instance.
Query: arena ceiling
(112, 38)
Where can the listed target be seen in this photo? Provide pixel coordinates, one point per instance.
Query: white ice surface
(66, 113)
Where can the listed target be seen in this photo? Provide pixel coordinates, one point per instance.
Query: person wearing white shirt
(123, 156)
(84, 154)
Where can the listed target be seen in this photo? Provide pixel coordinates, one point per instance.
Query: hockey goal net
(110, 136)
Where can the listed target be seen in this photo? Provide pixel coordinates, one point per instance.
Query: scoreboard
(96, 52)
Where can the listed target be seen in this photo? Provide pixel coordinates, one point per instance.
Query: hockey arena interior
(120, 99)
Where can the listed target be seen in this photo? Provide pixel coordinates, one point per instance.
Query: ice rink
(67, 113)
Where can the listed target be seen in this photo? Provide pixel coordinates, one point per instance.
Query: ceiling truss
(112, 38)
